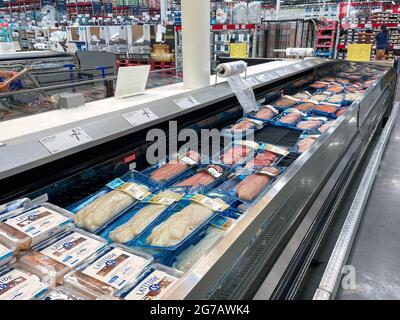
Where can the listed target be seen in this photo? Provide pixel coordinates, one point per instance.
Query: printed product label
(311, 101)
(248, 143)
(38, 223)
(134, 190)
(215, 173)
(153, 287)
(17, 285)
(187, 160)
(115, 184)
(157, 199)
(275, 149)
(210, 203)
(73, 249)
(291, 98)
(271, 108)
(5, 253)
(222, 222)
(116, 268)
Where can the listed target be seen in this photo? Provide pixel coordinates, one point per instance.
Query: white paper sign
(141, 116)
(186, 102)
(65, 140)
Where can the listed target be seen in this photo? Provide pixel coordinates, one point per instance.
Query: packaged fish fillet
(18, 284)
(335, 88)
(267, 155)
(352, 96)
(311, 124)
(54, 258)
(288, 118)
(321, 97)
(305, 105)
(305, 142)
(167, 171)
(130, 226)
(340, 112)
(153, 284)
(325, 126)
(319, 85)
(206, 175)
(248, 185)
(236, 153)
(302, 95)
(285, 102)
(24, 230)
(99, 210)
(328, 79)
(336, 99)
(108, 272)
(326, 109)
(265, 113)
(243, 127)
(184, 223)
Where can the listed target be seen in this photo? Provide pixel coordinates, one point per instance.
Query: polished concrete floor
(375, 254)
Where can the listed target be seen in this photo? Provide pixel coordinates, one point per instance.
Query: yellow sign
(238, 50)
(359, 52)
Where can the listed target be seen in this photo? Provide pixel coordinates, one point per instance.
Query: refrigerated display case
(264, 254)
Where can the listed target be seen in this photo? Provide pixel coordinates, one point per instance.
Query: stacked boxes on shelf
(326, 35)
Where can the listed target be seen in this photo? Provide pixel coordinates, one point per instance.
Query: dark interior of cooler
(72, 178)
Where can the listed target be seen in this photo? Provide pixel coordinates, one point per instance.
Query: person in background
(382, 43)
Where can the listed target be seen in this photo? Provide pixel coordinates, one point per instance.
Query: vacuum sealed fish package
(184, 223)
(302, 95)
(153, 284)
(54, 258)
(18, 284)
(267, 155)
(168, 171)
(204, 176)
(326, 109)
(6, 254)
(247, 185)
(97, 211)
(289, 118)
(305, 105)
(108, 272)
(236, 153)
(319, 85)
(285, 102)
(243, 127)
(305, 141)
(130, 226)
(311, 124)
(321, 97)
(265, 113)
(326, 126)
(24, 230)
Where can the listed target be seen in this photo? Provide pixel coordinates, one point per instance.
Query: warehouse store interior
(199, 150)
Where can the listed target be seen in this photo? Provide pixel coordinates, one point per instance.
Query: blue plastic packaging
(258, 114)
(315, 121)
(229, 156)
(277, 121)
(285, 102)
(252, 126)
(267, 155)
(132, 183)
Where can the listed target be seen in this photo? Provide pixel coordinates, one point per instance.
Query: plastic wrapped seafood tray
(267, 155)
(108, 272)
(24, 230)
(285, 102)
(311, 124)
(61, 254)
(97, 211)
(306, 140)
(265, 113)
(289, 118)
(243, 127)
(237, 153)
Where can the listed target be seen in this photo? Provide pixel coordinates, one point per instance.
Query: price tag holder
(65, 140)
(186, 102)
(141, 116)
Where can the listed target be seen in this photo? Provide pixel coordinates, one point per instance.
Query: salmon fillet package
(53, 259)
(27, 229)
(135, 222)
(243, 127)
(266, 156)
(153, 284)
(168, 171)
(108, 272)
(289, 118)
(265, 113)
(19, 284)
(311, 124)
(305, 141)
(248, 185)
(237, 152)
(97, 211)
(207, 176)
(184, 223)
(285, 102)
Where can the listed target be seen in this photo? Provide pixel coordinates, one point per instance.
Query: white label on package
(39, 223)
(248, 143)
(73, 249)
(153, 287)
(187, 160)
(214, 172)
(65, 140)
(138, 117)
(5, 253)
(186, 102)
(116, 268)
(134, 190)
(17, 285)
